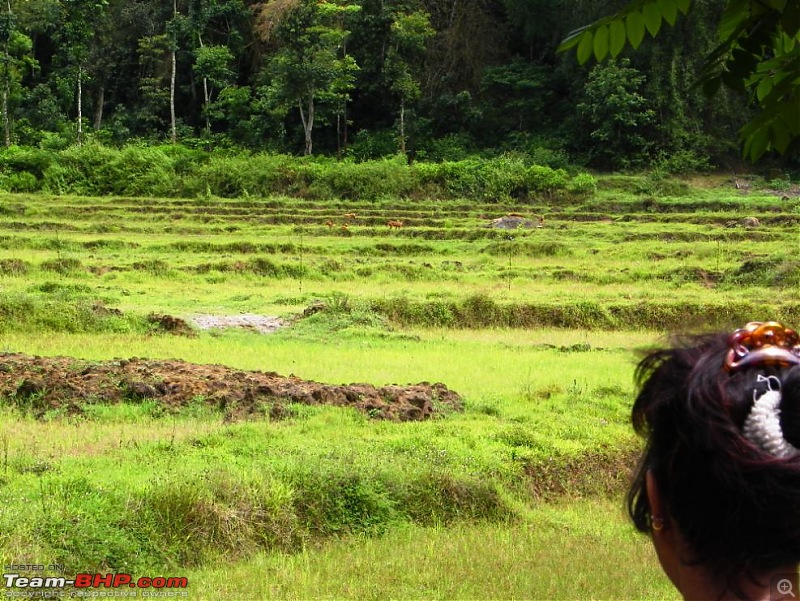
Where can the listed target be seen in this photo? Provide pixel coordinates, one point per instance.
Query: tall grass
(581, 550)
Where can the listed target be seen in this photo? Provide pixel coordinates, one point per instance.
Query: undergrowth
(237, 489)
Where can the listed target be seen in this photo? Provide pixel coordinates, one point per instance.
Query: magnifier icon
(784, 587)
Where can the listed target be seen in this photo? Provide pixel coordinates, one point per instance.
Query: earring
(657, 523)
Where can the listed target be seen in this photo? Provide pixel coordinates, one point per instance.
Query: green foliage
(307, 71)
(20, 182)
(214, 64)
(617, 115)
(517, 93)
(682, 162)
(17, 159)
(369, 145)
(757, 53)
(582, 185)
(75, 313)
(372, 180)
(546, 181)
(610, 34)
(495, 180)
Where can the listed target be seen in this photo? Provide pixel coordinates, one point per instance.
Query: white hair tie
(763, 427)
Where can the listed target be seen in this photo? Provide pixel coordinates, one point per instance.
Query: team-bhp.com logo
(82, 585)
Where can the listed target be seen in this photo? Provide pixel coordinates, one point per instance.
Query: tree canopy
(757, 53)
(430, 79)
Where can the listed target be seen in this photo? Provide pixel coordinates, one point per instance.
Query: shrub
(555, 159)
(452, 147)
(139, 171)
(504, 179)
(461, 179)
(582, 185)
(34, 161)
(372, 145)
(14, 267)
(682, 162)
(62, 266)
(372, 180)
(546, 181)
(62, 313)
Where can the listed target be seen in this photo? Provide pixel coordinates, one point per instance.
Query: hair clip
(762, 343)
(763, 425)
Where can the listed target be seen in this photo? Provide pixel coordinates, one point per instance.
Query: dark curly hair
(736, 506)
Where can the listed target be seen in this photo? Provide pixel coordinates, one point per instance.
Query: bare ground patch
(44, 384)
(265, 324)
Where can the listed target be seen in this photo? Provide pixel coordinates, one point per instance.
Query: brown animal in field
(515, 215)
(394, 224)
(344, 226)
(349, 215)
(330, 224)
(541, 221)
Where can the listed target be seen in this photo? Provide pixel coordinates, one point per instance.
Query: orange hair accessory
(762, 343)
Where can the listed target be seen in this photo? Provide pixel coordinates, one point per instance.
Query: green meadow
(518, 496)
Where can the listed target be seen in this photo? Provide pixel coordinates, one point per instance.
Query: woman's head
(724, 479)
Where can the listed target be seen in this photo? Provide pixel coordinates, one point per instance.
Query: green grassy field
(517, 497)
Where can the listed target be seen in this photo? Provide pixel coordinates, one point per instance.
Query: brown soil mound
(47, 383)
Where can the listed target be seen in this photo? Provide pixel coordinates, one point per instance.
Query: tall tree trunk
(173, 126)
(344, 141)
(6, 87)
(308, 121)
(6, 126)
(403, 126)
(206, 98)
(80, 105)
(7, 84)
(98, 111)
(344, 110)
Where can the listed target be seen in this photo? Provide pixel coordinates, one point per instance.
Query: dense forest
(434, 79)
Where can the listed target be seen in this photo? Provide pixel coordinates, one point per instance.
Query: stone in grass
(510, 222)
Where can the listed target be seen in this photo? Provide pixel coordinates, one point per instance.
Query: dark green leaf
(669, 10)
(779, 134)
(634, 23)
(790, 20)
(585, 47)
(601, 43)
(764, 88)
(683, 5)
(733, 18)
(791, 117)
(742, 64)
(652, 18)
(572, 39)
(616, 37)
(732, 80)
(756, 143)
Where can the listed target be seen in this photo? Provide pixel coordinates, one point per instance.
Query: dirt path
(47, 383)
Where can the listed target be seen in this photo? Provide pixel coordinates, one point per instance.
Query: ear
(654, 497)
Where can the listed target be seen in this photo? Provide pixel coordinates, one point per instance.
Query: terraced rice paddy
(278, 255)
(536, 328)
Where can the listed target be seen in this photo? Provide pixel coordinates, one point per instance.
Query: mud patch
(44, 384)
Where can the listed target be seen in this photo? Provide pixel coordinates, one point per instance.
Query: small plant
(338, 303)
